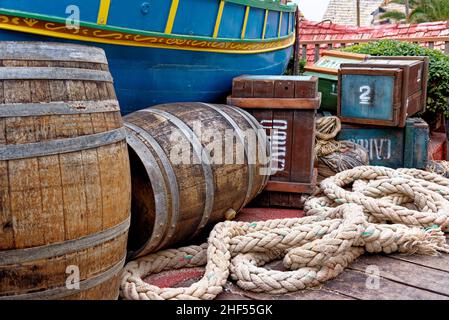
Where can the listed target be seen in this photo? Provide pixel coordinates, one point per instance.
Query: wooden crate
(422, 72)
(286, 107)
(288, 87)
(392, 147)
(382, 91)
(326, 69)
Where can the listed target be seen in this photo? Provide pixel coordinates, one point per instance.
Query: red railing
(441, 43)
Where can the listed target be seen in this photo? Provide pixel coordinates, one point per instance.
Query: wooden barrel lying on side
(65, 189)
(175, 196)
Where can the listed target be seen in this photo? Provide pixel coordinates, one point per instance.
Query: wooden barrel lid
(51, 51)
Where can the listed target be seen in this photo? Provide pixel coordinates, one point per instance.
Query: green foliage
(393, 15)
(438, 86)
(302, 65)
(426, 10)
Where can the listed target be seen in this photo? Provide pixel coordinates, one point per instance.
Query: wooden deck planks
(405, 273)
(440, 262)
(353, 283)
(232, 291)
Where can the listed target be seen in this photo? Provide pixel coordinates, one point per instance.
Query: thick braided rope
(327, 128)
(341, 226)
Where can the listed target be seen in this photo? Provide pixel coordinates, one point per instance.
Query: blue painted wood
(292, 22)
(154, 20)
(232, 21)
(367, 96)
(272, 25)
(256, 19)
(185, 24)
(284, 24)
(416, 145)
(392, 147)
(88, 9)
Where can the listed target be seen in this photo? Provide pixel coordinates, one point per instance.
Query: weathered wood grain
(391, 108)
(174, 199)
(286, 107)
(232, 291)
(406, 273)
(392, 147)
(51, 200)
(276, 103)
(440, 262)
(353, 284)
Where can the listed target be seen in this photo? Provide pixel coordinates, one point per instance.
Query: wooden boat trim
(48, 73)
(279, 25)
(159, 192)
(92, 32)
(173, 181)
(241, 138)
(57, 108)
(61, 292)
(53, 147)
(245, 22)
(218, 20)
(18, 256)
(264, 30)
(202, 156)
(103, 12)
(171, 16)
(19, 50)
(266, 4)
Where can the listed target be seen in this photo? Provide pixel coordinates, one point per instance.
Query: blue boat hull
(148, 76)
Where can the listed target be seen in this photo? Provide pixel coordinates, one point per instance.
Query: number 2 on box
(365, 97)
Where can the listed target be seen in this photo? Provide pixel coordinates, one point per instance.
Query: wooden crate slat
(278, 103)
(286, 107)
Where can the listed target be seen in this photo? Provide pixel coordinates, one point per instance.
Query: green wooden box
(326, 69)
(392, 147)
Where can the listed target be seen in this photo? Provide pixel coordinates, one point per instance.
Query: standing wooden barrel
(65, 188)
(175, 197)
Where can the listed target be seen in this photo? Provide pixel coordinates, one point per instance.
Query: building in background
(345, 11)
(378, 14)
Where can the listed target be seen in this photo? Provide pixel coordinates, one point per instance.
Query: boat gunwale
(284, 41)
(24, 14)
(266, 4)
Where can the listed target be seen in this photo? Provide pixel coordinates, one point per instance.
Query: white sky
(312, 9)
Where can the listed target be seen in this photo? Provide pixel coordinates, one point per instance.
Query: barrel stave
(38, 275)
(260, 155)
(193, 189)
(80, 192)
(56, 200)
(226, 176)
(231, 184)
(54, 63)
